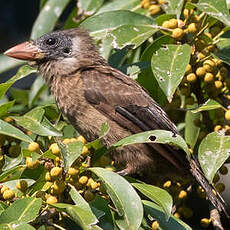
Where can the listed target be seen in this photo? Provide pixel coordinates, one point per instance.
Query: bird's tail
(214, 197)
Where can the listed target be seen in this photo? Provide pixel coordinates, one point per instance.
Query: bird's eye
(51, 41)
(66, 50)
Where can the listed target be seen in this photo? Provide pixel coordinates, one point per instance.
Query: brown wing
(109, 90)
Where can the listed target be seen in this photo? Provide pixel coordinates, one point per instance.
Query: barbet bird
(89, 93)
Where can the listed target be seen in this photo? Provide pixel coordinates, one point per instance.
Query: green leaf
(5, 107)
(130, 35)
(10, 130)
(168, 66)
(216, 9)
(97, 143)
(24, 227)
(119, 5)
(191, 130)
(90, 6)
(100, 24)
(213, 151)
(127, 203)
(210, 104)
(21, 211)
(12, 183)
(106, 221)
(12, 162)
(146, 77)
(22, 72)
(37, 123)
(155, 136)
(223, 54)
(48, 17)
(6, 173)
(82, 203)
(19, 95)
(158, 195)
(7, 63)
(174, 7)
(80, 215)
(3, 206)
(155, 211)
(70, 152)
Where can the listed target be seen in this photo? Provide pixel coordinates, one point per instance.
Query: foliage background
(130, 38)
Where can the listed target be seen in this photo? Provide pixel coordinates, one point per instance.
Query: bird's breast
(69, 95)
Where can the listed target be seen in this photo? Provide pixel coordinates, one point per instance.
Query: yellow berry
(94, 185)
(186, 13)
(48, 177)
(51, 200)
(4, 188)
(8, 119)
(177, 215)
(173, 23)
(90, 180)
(200, 55)
(208, 35)
(227, 115)
(217, 128)
(54, 149)
(8, 194)
(204, 222)
(89, 195)
(218, 84)
(81, 139)
(167, 184)
(155, 225)
(195, 18)
(22, 185)
(200, 71)
(166, 24)
(177, 33)
(188, 69)
(209, 62)
(56, 171)
(66, 141)
(58, 187)
(192, 28)
(191, 77)
(182, 194)
(73, 171)
(31, 164)
(162, 2)
(208, 77)
(83, 180)
(33, 147)
(154, 9)
(84, 151)
(223, 170)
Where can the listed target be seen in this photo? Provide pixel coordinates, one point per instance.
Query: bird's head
(58, 53)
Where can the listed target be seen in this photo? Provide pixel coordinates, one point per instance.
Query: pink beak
(25, 51)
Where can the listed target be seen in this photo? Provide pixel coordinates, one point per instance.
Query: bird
(89, 92)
